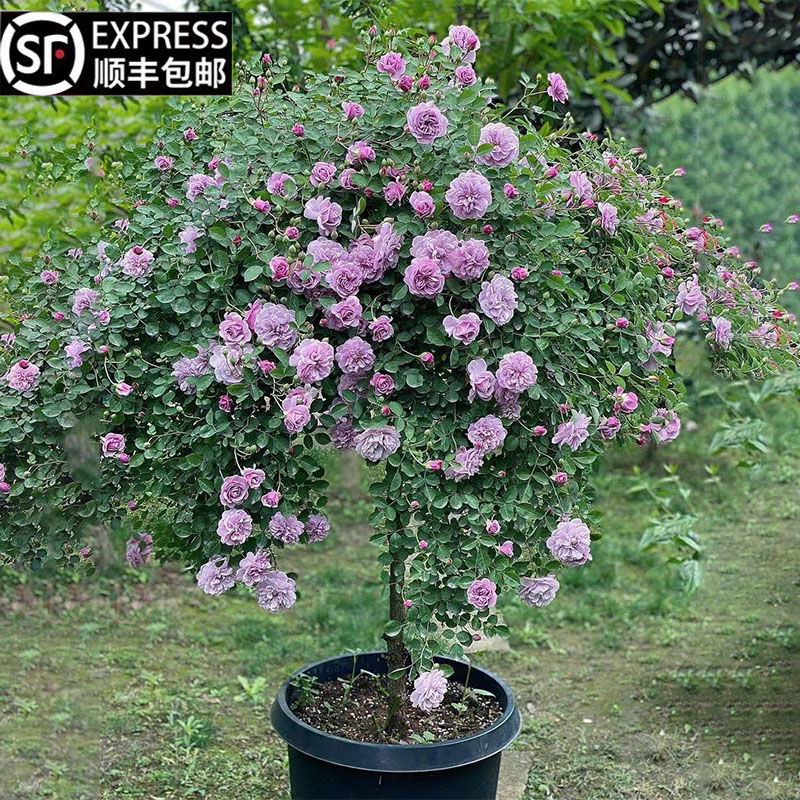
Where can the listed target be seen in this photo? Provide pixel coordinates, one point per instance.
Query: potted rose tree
(475, 302)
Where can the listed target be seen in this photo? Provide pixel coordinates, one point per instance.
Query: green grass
(117, 688)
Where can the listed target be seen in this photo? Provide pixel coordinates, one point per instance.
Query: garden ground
(134, 685)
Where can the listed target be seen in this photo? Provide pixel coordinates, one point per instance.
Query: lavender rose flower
(112, 444)
(481, 381)
(137, 262)
(286, 529)
(83, 300)
(467, 464)
(426, 123)
(196, 186)
(505, 145)
(188, 238)
(345, 278)
(73, 352)
(359, 153)
(376, 444)
(381, 329)
(276, 183)
(215, 577)
(465, 39)
(234, 491)
(665, 425)
(608, 217)
(352, 110)
(234, 330)
(469, 195)
(253, 568)
(393, 64)
(424, 277)
(235, 526)
(498, 299)
(609, 428)
(574, 432)
(254, 477)
(690, 298)
(382, 383)
(429, 690)
(322, 173)
(394, 192)
(438, 245)
(538, 592)
(355, 356)
(482, 594)
(313, 360)
(276, 592)
(469, 259)
(344, 314)
(343, 437)
(423, 204)
(557, 87)
(516, 372)
(569, 543)
(273, 326)
(465, 76)
(326, 213)
(723, 332)
(317, 528)
(138, 550)
(487, 433)
(463, 329)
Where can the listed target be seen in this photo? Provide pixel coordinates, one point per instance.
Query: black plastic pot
(327, 767)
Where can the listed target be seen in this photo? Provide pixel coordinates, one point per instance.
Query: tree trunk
(397, 657)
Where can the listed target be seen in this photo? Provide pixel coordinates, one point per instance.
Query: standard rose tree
(470, 299)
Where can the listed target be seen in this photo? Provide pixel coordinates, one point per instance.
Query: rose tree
(476, 302)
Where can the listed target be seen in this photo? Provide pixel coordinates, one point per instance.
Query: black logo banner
(45, 53)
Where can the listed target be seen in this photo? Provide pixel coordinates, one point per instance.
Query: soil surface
(359, 711)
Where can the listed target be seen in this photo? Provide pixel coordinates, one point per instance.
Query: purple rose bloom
(254, 477)
(234, 491)
(516, 372)
(313, 360)
(346, 178)
(424, 277)
(581, 188)
(73, 352)
(352, 110)
(164, 163)
(382, 383)
(276, 183)
(381, 329)
(469, 195)
(498, 299)
(215, 577)
(343, 436)
(296, 417)
(197, 185)
(665, 425)
(426, 123)
(481, 381)
(609, 428)
(608, 217)
(355, 356)
(227, 364)
(467, 464)
(723, 334)
(429, 690)
(322, 173)
(234, 330)
(286, 529)
(393, 64)
(344, 314)
(394, 192)
(660, 343)
(437, 245)
(49, 277)
(487, 434)
(188, 237)
(326, 213)
(423, 204)
(557, 87)
(359, 153)
(482, 594)
(569, 543)
(538, 592)
(465, 39)
(375, 444)
(276, 592)
(690, 298)
(190, 368)
(112, 445)
(469, 259)
(317, 528)
(253, 568)
(463, 329)
(273, 326)
(83, 300)
(137, 262)
(465, 76)
(235, 526)
(574, 432)
(138, 550)
(505, 145)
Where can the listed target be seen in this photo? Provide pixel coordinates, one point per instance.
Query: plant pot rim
(378, 757)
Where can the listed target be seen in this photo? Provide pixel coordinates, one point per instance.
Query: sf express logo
(41, 53)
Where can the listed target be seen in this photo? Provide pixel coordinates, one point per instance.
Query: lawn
(135, 685)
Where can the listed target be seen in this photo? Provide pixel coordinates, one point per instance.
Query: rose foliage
(385, 262)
